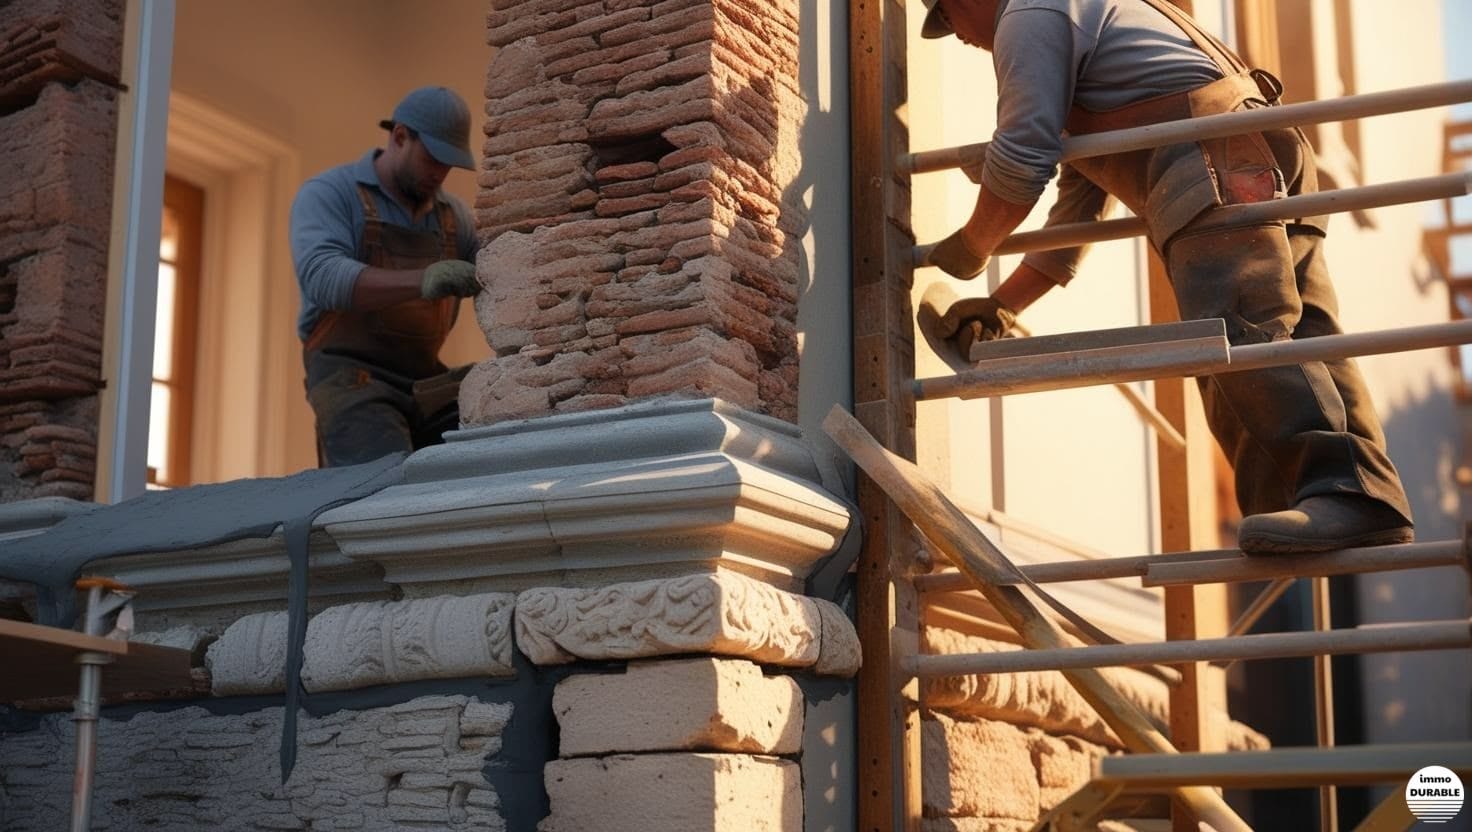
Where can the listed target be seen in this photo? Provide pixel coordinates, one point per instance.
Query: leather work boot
(1321, 524)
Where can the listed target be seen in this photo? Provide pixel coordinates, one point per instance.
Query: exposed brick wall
(635, 195)
(59, 65)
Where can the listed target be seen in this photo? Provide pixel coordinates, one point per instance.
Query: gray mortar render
(432, 754)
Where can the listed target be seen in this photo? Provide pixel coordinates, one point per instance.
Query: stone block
(674, 793)
(705, 704)
(977, 769)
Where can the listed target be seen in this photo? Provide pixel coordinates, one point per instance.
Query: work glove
(975, 319)
(449, 278)
(954, 256)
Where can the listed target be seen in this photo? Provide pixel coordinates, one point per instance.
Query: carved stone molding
(585, 499)
(725, 614)
(1045, 699)
(241, 573)
(380, 643)
(376, 643)
(250, 657)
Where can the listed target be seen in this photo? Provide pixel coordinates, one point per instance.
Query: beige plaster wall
(1077, 462)
(1384, 280)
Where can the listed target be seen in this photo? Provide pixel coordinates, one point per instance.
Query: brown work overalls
(1290, 432)
(361, 366)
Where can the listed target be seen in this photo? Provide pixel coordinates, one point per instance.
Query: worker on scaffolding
(1309, 454)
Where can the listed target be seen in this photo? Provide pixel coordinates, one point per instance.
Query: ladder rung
(1063, 571)
(1284, 767)
(1380, 638)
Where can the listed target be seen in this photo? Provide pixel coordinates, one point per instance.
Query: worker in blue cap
(383, 257)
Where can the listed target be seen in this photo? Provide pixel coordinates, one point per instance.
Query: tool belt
(1170, 186)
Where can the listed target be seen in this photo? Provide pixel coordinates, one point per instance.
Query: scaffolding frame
(891, 585)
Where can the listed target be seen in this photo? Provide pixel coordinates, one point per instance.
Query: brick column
(59, 64)
(635, 196)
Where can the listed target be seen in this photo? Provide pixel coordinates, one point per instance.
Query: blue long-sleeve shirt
(1050, 55)
(327, 234)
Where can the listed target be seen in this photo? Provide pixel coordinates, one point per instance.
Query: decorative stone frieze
(702, 704)
(377, 643)
(674, 793)
(1045, 699)
(723, 613)
(419, 764)
(381, 643)
(250, 657)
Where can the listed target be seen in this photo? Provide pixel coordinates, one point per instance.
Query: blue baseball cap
(935, 25)
(442, 121)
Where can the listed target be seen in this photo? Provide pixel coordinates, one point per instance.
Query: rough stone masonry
(59, 65)
(636, 204)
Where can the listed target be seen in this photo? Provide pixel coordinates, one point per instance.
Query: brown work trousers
(1290, 432)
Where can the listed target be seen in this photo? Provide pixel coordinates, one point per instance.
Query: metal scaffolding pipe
(1433, 635)
(1064, 571)
(1343, 562)
(999, 377)
(1285, 768)
(1216, 126)
(1221, 566)
(1338, 201)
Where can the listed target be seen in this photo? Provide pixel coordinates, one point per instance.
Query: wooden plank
(1187, 510)
(1100, 339)
(47, 656)
(1324, 703)
(948, 527)
(1392, 815)
(22, 638)
(1084, 368)
(887, 615)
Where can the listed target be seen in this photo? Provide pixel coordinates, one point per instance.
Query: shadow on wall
(1423, 441)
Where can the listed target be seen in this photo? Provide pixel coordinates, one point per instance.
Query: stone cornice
(644, 491)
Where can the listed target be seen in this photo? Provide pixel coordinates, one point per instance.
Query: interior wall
(315, 77)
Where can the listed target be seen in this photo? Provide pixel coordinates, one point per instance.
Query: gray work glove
(975, 319)
(955, 257)
(449, 278)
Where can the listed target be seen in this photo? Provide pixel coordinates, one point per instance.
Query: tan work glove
(449, 278)
(954, 256)
(975, 319)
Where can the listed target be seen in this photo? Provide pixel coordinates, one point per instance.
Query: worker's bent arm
(1023, 287)
(378, 288)
(992, 221)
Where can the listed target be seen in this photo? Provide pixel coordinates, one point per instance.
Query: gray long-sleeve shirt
(327, 234)
(1052, 54)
